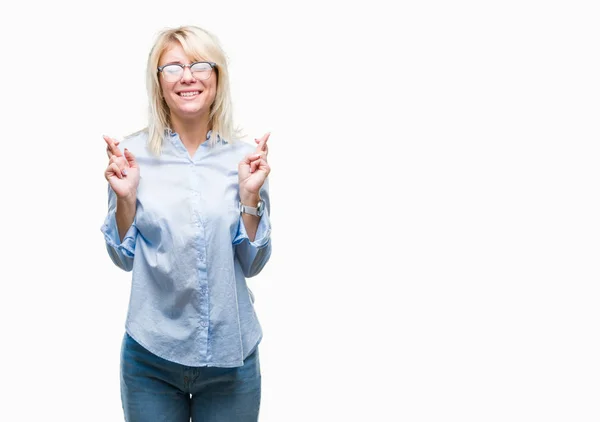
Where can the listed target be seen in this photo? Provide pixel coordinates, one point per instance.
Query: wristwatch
(258, 211)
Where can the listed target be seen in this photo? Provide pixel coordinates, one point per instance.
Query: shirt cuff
(111, 235)
(263, 232)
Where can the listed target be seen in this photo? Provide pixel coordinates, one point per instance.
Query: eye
(172, 69)
(201, 67)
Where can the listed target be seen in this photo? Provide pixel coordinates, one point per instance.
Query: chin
(194, 107)
(194, 110)
(189, 112)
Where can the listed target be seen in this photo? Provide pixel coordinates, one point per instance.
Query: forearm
(125, 214)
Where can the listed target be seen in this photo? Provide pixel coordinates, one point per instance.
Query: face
(188, 97)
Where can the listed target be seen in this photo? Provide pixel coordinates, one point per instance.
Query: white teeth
(189, 94)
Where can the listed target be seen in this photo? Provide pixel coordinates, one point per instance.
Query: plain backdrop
(434, 195)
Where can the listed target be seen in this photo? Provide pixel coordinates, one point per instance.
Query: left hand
(253, 171)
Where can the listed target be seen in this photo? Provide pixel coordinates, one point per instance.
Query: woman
(188, 214)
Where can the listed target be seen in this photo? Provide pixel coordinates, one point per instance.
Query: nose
(187, 75)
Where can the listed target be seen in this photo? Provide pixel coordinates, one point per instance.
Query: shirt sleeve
(121, 253)
(254, 255)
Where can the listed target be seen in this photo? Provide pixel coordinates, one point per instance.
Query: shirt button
(204, 323)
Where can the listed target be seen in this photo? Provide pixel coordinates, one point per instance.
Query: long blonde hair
(198, 44)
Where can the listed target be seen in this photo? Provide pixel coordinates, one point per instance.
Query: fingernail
(125, 172)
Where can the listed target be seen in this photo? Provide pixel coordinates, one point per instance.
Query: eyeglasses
(173, 72)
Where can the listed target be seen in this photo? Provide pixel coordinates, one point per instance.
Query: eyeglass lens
(174, 72)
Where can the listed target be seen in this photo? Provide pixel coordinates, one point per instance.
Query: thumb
(130, 158)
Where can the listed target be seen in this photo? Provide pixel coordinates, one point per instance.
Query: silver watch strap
(248, 210)
(258, 211)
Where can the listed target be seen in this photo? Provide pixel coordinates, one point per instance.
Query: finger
(130, 158)
(109, 146)
(121, 162)
(260, 156)
(262, 142)
(250, 158)
(263, 148)
(264, 166)
(117, 170)
(113, 170)
(262, 138)
(265, 137)
(259, 165)
(110, 142)
(108, 150)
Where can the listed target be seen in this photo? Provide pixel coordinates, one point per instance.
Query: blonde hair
(198, 44)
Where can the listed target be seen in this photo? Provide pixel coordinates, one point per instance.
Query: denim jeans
(156, 390)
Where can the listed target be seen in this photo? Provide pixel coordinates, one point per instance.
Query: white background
(434, 203)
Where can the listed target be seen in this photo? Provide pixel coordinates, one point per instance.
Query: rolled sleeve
(120, 252)
(254, 255)
(263, 232)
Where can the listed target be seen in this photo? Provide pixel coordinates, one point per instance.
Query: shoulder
(229, 154)
(136, 142)
(240, 148)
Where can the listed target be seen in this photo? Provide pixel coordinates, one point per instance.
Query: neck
(191, 132)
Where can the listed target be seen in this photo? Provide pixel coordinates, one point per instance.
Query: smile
(189, 94)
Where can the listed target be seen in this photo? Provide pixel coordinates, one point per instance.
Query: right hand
(123, 172)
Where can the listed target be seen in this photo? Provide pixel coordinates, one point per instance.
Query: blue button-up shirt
(189, 254)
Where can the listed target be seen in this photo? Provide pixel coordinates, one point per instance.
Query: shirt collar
(174, 137)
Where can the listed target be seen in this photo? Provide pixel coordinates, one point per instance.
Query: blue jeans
(156, 390)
